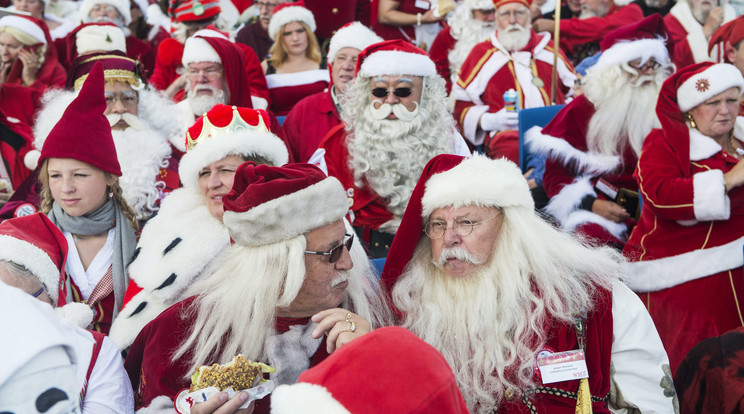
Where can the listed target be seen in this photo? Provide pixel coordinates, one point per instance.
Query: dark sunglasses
(399, 92)
(335, 252)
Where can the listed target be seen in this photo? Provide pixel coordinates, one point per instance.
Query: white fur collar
(291, 351)
(702, 146)
(560, 149)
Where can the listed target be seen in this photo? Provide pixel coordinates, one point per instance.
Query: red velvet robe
(575, 33)
(307, 123)
(407, 33)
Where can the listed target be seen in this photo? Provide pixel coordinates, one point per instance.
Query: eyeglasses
(38, 292)
(335, 252)
(519, 14)
(127, 99)
(462, 227)
(651, 64)
(399, 92)
(261, 4)
(210, 73)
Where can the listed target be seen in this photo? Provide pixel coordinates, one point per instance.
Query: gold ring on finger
(352, 326)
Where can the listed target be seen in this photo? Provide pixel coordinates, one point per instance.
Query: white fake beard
(141, 154)
(470, 34)
(131, 120)
(201, 104)
(400, 111)
(514, 37)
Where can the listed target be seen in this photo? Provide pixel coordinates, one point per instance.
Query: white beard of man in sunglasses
(382, 128)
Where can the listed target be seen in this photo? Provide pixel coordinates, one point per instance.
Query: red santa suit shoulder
(689, 43)
(576, 32)
(308, 123)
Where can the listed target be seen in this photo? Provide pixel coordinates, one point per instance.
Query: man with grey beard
(594, 142)
(396, 119)
(515, 58)
(508, 300)
(691, 23)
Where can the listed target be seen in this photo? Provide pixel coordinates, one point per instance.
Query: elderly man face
(701, 8)
(595, 8)
(389, 95)
(511, 14)
(485, 15)
(17, 276)
(265, 9)
(205, 78)
(104, 12)
(120, 99)
(462, 239)
(342, 67)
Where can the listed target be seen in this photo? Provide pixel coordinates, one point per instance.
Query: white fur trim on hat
(355, 35)
(305, 398)
(290, 14)
(212, 149)
(122, 6)
(34, 259)
(289, 216)
(704, 85)
(80, 314)
(397, 63)
(24, 25)
(477, 181)
(197, 50)
(626, 51)
(96, 38)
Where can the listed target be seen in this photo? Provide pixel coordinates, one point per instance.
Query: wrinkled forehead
(413, 81)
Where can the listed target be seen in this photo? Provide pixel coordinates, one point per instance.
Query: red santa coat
(307, 123)
(20, 102)
(332, 14)
(689, 44)
(572, 172)
(168, 59)
(13, 147)
(439, 53)
(149, 364)
(287, 89)
(407, 33)
(687, 247)
(490, 70)
(575, 32)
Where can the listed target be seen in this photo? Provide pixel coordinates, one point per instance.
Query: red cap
(194, 10)
(394, 57)
(731, 32)
(499, 3)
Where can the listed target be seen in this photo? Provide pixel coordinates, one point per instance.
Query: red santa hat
(35, 243)
(644, 39)
(489, 183)
(401, 374)
(188, 11)
(731, 33)
(95, 37)
(290, 12)
(226, 130)
(122, 6)
(273, 204)
(353, 34)
(116, 68)
(394, 58)
(197, 49)
(499, 3)
(84, 133)
(26, 30)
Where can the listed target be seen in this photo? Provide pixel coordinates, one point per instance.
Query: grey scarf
(107, 216)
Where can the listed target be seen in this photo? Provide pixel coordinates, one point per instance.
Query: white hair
(468, 32)
(625, 106)
(498, 314)
(376, 147)
(514, 37)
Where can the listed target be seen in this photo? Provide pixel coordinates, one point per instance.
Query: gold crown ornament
(235, 120)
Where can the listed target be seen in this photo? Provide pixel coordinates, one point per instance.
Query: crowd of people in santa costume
(350, 194)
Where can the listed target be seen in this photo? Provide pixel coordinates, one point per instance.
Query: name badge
(562, 366)
(608, 189)
(423, 4)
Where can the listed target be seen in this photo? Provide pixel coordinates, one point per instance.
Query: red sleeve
(439, 53)
(557, 175)
(681, 54)
(168, 59)
(593, 29)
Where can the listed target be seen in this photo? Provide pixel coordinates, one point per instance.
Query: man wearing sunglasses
(593, 143)
(292, 289)
(514, 58)
(503, 295)
(395, 121)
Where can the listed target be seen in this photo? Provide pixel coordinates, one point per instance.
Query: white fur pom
(79, 314)
(159, 405)
(31, 160)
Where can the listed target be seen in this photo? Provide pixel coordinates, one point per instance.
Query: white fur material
(159, 405)
(126, 327)
(355, 35)
(290, 14)
(627, 51)
(560, 150)
(258, 102)
(34, 259)
(305, 398)
(97, 38)
(290, 352)
(290, 215)
(644, 276)
(24, 25)
(704, 85)
(701, 146)
(477, 181)
(579, 217)
(197, 50)
(397, 63)
(80, 314)
(697, 40)
(215, 148)
(122, 6)
(710, 201)
(31, 159)
(569, 198)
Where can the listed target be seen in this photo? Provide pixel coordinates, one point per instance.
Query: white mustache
(130, 119)
(341, 278)
(458, 253)
(399, 110)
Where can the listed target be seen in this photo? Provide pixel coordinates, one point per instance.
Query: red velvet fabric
(576, 32)
(731, 33)
(330, 15)
(406, 33)
(681, 54)
(307, 123)
(439, 53)
(651, 27)
(14, 150)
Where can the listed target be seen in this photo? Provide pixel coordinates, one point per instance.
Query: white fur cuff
(397, 63)
(305, 398)
(710, 201)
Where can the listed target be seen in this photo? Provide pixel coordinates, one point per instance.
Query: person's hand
(735, 177)
(176, 86)
(219, 404)
(543, 25)
(430, 17)
(4, 69)
(530, 181)
(340, 327)
(30, 66)
(499, 121)
(609, 210)
(715, 18)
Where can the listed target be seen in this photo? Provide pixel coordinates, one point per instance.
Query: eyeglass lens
(338, 250)
(399, 92)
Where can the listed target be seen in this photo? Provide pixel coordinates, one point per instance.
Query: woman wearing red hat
(294, 68)
(687, 246)
(81, 195)
(28, 55)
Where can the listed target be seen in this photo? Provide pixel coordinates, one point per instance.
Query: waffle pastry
(238, 374)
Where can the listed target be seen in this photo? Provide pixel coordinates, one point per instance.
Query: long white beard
(468, 34)
(625, 110)
(514, 37)
(201, 104)
(141, 154)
